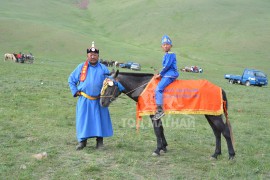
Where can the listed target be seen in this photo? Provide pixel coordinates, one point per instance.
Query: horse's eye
(110, 83)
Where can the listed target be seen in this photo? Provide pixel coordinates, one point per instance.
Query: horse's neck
(134, 85)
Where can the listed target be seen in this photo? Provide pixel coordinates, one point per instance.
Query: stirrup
(158, 115)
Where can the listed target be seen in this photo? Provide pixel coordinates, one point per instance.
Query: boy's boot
(159, 114)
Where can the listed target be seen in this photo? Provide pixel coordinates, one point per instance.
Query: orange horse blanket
(182, 97)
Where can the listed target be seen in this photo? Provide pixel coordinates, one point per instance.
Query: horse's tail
(225, 108)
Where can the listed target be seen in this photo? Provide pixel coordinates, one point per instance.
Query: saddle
(182, 97)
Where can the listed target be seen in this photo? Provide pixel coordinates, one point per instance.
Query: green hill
(203, 32)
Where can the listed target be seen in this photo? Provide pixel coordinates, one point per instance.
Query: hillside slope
(204, 32)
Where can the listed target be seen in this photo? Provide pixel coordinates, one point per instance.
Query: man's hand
(157, 76)
(78, 94)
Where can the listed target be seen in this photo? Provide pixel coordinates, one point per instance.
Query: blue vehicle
(126, 65)
(249, 77)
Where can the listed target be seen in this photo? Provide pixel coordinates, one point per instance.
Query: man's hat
(166, 40)
(92, 49)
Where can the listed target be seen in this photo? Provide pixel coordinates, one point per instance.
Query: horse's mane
(136, 74)
(134, 83)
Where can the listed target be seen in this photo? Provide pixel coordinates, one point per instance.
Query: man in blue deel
(168, 74)
(85, 82)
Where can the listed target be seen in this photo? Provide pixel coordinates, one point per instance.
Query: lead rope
(136, 88)
(228, 122)
(137, 123)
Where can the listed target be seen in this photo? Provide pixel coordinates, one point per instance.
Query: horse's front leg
(164, 142)
(161, 140)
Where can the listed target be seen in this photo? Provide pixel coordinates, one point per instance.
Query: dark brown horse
(133, 85)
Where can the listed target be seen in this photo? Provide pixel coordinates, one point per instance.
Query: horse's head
(111, 89)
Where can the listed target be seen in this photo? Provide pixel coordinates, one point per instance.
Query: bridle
(109, 82)
(105, 86)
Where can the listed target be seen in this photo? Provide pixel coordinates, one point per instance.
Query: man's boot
(99, 142)
(159, 114)
(81, 145)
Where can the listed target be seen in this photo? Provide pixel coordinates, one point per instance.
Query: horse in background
(111, 63)
(9, 57)
(135, 83)
(105, 62)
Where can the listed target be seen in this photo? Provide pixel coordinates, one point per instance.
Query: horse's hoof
(215, 155)
(231, 158)
(164, 150)
(155, 154)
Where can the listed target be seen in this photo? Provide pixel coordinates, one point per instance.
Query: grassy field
(37, 111)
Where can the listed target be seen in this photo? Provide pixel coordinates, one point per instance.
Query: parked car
(126, 65)
(135, 66)
(249, 77)
(122, 65)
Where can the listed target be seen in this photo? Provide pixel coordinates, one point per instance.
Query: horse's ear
(116, 73)
(113, 71)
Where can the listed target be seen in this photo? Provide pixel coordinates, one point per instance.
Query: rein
(136, 88)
